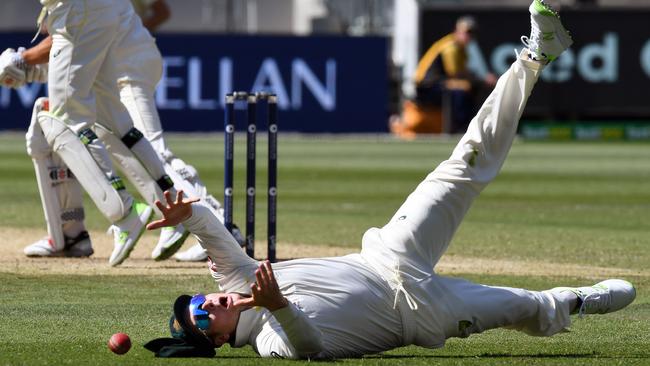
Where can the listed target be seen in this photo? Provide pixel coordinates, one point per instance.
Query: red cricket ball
(120, 343)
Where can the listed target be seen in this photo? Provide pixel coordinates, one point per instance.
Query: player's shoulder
(445, 41)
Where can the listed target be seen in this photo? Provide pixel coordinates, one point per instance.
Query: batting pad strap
(87, 136)
(132, 137)
(75, 214)
(165, 182)
(117, 183)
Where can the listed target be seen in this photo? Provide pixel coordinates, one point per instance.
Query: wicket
(251, 100)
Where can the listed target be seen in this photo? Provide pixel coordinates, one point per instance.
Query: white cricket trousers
(82, 80)
(406, 250)
(137, 86)
(90, 37)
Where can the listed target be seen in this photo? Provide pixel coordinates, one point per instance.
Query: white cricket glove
(12, 72)
(36, 73)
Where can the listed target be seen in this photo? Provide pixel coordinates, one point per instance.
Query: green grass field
(574, 205)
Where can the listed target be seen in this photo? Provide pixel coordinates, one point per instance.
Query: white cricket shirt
(340, 307)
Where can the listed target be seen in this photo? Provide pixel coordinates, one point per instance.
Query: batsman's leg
(81, 32)
(72, 102)
(137, 95)
(137, 86)
(61, 198)
(119, 123)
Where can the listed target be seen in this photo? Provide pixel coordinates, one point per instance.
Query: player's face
(222, 315)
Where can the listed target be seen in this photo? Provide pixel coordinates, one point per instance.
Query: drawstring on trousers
(398, 282)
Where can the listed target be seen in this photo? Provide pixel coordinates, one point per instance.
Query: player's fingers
(179, 196)
(269, 270)
(245, 302)
(266, 277)
(192, 200)
(168, 197)
(255, 290)
(160, 206)
(157, 224)
(260, 279)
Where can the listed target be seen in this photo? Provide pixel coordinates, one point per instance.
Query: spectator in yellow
(442, 73)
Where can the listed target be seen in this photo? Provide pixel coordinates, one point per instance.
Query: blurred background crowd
(406, 66)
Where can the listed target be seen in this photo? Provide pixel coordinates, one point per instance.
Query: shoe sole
(619, 305)
(166, 253)
(129, 248)
(49, 255)
(64, 254)
(563, 36)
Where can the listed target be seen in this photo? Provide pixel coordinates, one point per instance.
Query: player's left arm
(291, 334)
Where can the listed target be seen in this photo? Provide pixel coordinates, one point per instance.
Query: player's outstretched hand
(266, 292)
(174, 212)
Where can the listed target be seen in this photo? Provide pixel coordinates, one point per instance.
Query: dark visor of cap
(201, 317)
(182, 327)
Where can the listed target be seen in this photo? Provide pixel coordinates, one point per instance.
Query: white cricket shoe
(127, 231)
(604, 297)
(194, 254)
(79, 246)
(548, 38)
(42, 248)
(171, 240)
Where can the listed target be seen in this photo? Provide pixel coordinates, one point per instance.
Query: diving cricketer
(388, 295)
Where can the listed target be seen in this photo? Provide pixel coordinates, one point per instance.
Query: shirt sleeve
(291, 335)
(234, 267)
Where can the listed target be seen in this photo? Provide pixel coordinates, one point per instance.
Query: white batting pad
(130, 166)
(87, 171)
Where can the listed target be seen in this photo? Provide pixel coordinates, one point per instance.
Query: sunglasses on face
(201, 317)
